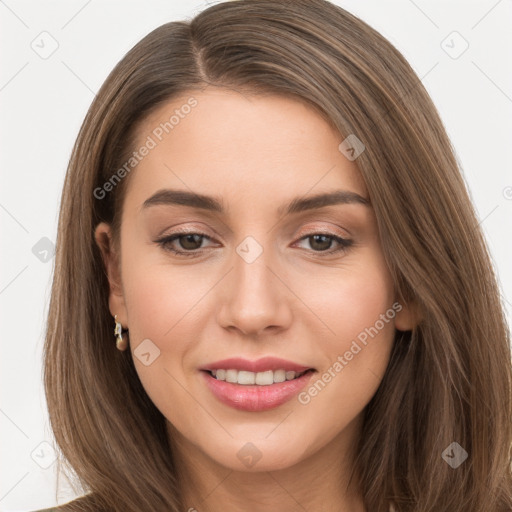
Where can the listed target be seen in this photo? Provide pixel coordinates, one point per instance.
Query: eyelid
(317, 230)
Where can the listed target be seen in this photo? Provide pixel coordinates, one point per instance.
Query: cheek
(359, 318)
(158, 294)
(160, 302)
(350, 301)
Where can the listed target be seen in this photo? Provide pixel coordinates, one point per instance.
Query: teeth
(290, 375)
(279, 376)
(231, 376)
(250, 378)
(247, 378)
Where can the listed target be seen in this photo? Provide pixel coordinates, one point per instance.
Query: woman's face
(264, 272)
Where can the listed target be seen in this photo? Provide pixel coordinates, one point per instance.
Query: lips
(260, 365)
(256, 398)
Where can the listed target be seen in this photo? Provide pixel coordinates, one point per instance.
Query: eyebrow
(214, 204)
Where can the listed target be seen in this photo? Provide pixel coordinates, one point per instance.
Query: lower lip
(255, 398)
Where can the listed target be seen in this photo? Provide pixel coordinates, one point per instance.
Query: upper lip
(260, 365)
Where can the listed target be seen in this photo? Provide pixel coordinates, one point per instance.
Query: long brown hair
(448, 380)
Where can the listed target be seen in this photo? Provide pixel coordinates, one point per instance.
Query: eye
(322, 242)
(188, 243)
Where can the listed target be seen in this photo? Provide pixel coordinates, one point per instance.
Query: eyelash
(165, 243)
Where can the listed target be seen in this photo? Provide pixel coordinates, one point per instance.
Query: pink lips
(255, 398)
(261, 365)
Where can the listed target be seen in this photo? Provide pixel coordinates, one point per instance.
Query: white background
(43, 103)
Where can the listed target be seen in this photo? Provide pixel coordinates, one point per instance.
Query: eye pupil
(194, 239)
(325, 242)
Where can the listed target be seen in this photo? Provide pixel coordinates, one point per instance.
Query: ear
(117, 306)
(407, 316)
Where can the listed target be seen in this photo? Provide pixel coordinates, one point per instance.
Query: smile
(255, 397)
(246, 378)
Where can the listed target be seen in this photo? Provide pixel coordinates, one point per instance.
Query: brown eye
(323, 242)
(186, 244)
(320, 242)
(190, 242)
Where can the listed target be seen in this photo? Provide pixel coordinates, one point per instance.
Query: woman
(271, 289)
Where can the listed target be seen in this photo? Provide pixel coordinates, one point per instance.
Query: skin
(294, 301)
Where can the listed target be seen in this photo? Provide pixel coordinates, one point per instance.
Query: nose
(254, 299)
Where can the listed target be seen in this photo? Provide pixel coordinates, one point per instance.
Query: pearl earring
(121, 344)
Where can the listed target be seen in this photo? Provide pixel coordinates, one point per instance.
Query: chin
(257, 455)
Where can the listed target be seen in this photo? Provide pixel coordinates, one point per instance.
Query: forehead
(228, 142)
